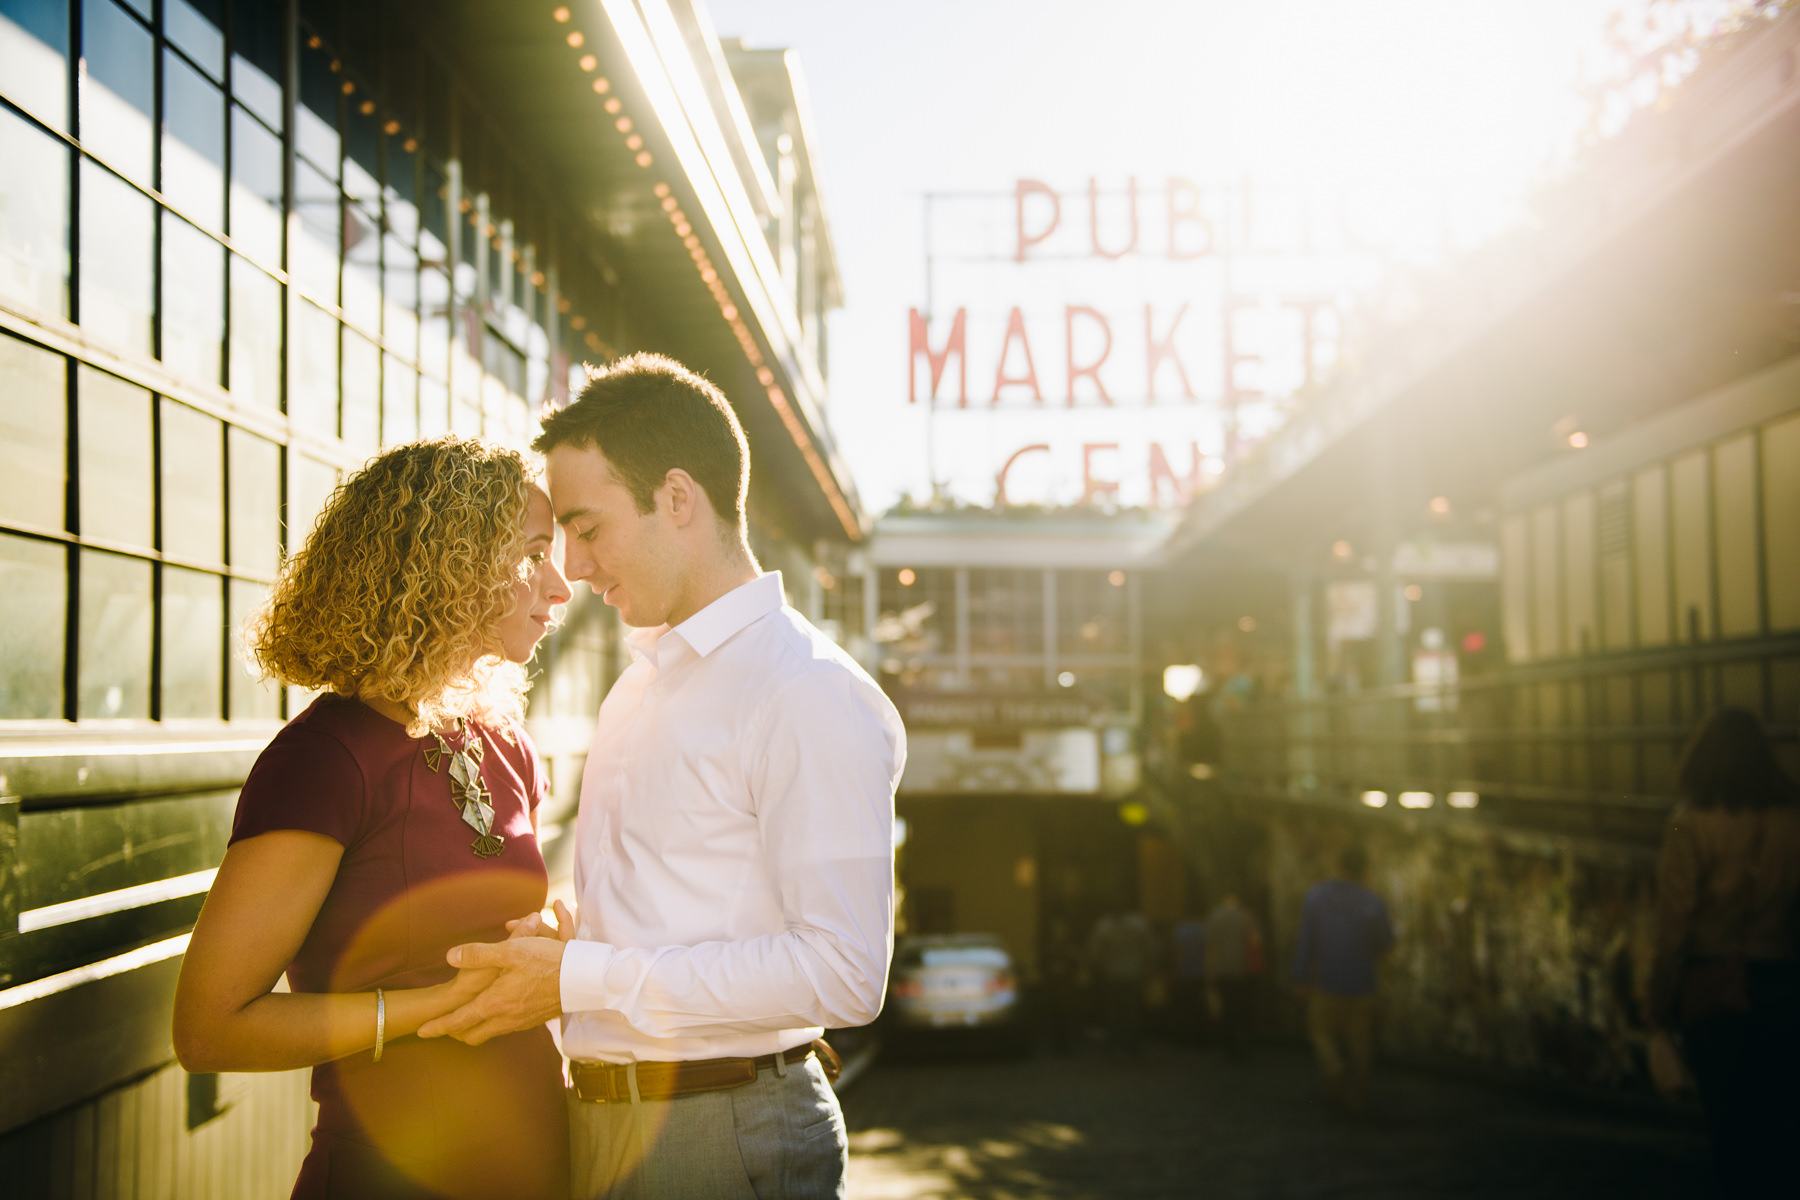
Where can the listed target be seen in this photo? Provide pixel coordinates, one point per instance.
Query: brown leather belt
(611, 1083)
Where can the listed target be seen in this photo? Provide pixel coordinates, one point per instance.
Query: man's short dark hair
(650, 415)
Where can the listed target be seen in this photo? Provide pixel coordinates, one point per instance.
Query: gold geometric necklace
(468, 793)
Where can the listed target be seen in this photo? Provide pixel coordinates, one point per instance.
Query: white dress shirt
(735, 846)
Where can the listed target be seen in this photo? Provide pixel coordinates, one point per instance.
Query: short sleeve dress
(434, 1118)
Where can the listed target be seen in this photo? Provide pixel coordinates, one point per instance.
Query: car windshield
(964, 956)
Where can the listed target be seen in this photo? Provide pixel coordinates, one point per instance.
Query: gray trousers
(782, 1136)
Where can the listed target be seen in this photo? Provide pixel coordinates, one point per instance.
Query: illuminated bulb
(683, 229)
(391, 128)
(603, 85)
(589, 62)
(1463, 799)
(1341, 550)
(560, 15)
(907, 578)
(1116, 578)
(1440, 505)
(1066, 679)
(348, 87)
(1578, 440)
(411, 145)
(644, 159)
(613, 105)
(367, 107)
(691, 242)
(661, 189)
(1414, 592)
(1416, 799)
(765, 376)
(709, 274)
(623, 124)
(730, 312)
(578, 323)
(670, 204)
(634, 142)
(576, 38)
(1374, 799)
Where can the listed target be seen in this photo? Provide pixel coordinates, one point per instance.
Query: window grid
(515, 335)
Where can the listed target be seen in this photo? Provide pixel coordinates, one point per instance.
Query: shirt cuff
(583, 976)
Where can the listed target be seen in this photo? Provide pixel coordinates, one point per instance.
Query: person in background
(1236, 960)
(1725, 972)
(391, 820)
(1189, 999)
(1344, 932)
(1123, 951)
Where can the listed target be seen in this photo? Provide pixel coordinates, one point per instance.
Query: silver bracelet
(380, 1021)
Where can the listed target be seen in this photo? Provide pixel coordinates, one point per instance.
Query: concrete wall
(1515, 951)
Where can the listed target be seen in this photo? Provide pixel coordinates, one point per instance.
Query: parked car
(954, 984)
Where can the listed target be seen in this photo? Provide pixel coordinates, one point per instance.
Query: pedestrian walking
(1235, 961)
(1122, 951)
(1188, 1001)
(1344, 932)
(1725, 973)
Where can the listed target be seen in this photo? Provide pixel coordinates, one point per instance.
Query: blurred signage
(1009, 711)
(1167, 325)
(1447, 560)
(1037, 761)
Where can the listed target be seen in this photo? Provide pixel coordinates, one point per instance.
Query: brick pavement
(1180, 1122)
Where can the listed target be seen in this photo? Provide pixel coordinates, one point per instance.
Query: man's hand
(526, 992)
(534, 925)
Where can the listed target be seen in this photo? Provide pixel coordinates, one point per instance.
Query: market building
(242, 246)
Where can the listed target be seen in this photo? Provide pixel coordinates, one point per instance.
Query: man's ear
(682, 496)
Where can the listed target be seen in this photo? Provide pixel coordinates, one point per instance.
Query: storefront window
(193, 289)
(314, 257)
(33, 434)
(362, 268)
(117, 89)
(362, 150)
(193, 643)
(193, 144)
(33, 609)
(314, 406)
(255, 335)
(434, 407)
(115, 468)
(113, 676)
(251, 699)
(255, 188)
(362, 394)
(399, 402)
(34, 236)
(317, 120)
(400, 296)
(192, 462)
(312, 484)
(34, 58)
(196, 26)
(255, 503)
(118, 241)
(256, 58)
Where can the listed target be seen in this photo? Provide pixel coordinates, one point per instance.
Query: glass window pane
(434, 206)
(34, 416)
(434, 323)
(1734, 516)
(400, 297)
(193, 308)
(251, 699)
(318, 109)
(362, 394)
(362, 150)
(117, 244)
(256, 57)
(315, 255)
(117, 89)
(434, 407)
(314, 406)
(114, 439)
(1781, 520)
(362, 268)
(34, 58)
(113, 637)
(193, 484)
(399, 402)
(313, 482)
(402, 190)
(255, 335)
(255, 188)
(193, 643)
(1579, 612)
(34, 217)
(197, 26)
(34, 582)
(193, 145)
(1693, 548)
(1650, 550)
(255, 503)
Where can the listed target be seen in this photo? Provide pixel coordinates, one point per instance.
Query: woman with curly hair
(391, 820)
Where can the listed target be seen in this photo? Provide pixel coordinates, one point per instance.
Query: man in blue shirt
(1344, 932)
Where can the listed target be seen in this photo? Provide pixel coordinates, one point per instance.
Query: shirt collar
(713, 625)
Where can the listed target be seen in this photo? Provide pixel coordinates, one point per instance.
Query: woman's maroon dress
(433, 1118)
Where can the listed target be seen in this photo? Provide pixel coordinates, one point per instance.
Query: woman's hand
(534, 925)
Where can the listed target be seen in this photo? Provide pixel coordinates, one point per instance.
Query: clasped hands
(526, 985)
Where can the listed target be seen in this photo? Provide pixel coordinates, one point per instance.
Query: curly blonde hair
(396, 592)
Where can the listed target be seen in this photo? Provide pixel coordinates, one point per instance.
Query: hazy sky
(1457, 105)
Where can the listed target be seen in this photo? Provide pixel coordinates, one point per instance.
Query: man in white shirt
(734, 848)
